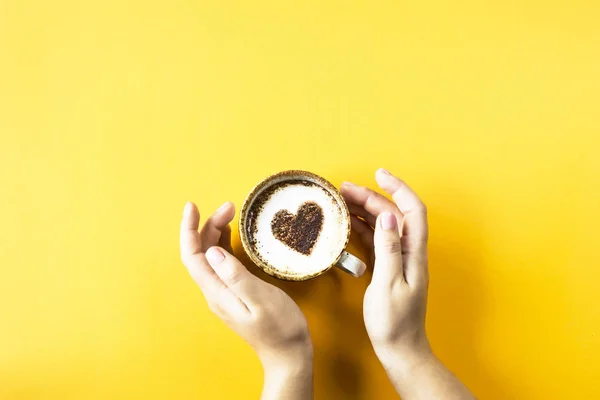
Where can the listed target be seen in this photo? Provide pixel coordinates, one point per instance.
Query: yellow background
(114, 113)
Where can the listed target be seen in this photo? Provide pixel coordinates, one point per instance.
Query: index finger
(215, 229)
(367, 203)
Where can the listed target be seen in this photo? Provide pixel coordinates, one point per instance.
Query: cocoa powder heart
(301, 231)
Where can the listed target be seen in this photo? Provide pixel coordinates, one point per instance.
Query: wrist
(289, 375)
(291, 361)
(405, 359)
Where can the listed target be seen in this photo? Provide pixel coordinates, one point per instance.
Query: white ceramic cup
(344, 261)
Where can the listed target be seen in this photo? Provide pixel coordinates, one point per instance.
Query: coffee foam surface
(278, 255)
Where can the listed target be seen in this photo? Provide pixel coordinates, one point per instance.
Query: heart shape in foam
(301, 231)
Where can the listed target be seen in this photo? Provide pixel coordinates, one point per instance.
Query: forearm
(291, 379)
(422, 376)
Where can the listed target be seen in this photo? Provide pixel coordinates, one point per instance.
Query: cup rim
(264, 184)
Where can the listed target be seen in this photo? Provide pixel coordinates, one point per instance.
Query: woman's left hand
(262, 314)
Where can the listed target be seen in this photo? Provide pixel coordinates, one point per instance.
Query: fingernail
(187, 209)
(223, 206)
(348, 184)
(388, 221)
(384, 171)
(215, 256)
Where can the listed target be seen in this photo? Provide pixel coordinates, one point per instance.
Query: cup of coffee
(295, 226)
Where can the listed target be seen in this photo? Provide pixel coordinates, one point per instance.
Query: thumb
(388, 250)
(232, 273)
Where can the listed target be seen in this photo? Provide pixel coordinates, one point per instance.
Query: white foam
(329, 244)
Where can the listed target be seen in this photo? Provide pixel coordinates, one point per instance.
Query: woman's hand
(396, 300)
(262, 314)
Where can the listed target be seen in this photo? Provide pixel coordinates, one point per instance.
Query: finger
(365, 235)
(373, 202)
(364, 232)
(414, 224)
(361, 212)
(189, 236)
(388, 251)
(225, 240)
(235, 276)
(413, 209)
(191, 251)
(212, 230)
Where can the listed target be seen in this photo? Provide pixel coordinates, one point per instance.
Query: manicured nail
(187, 209)
(384, 171)
(223, 206)
(214, 256)
(350, 184)
(388, 221)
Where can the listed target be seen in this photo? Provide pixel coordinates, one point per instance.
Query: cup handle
(351, 264)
